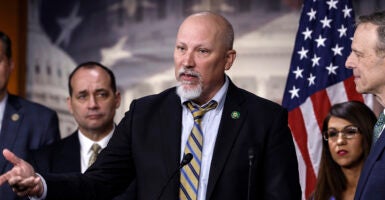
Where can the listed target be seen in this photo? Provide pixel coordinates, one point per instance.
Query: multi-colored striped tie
(378, 127)
(189, 178)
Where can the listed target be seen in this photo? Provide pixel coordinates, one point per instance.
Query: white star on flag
(307, 34)
(312, 14)
(303, 53)
(337, 50)
(326, 22)
(342, 30)
(332, 4)
(294, 92)
(347, 11)
(331, 69)
(298, 73)
(320, 41)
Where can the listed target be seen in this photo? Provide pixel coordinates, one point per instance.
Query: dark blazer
(60, 157)
(371, 184)
(63, 156)
(146, 146)
(26, 126)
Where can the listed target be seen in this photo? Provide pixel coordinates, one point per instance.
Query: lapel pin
(235, 115)
(15, 117)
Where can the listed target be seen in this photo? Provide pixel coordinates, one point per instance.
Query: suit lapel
(13, 116)
(171, 120)
(68, 159)
(369, 163)
(227, 134)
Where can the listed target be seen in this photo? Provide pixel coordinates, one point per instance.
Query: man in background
(93, 100)
(24, 125)
(367, 60)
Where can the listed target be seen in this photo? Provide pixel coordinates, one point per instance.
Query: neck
(96, 134)
(352, 175)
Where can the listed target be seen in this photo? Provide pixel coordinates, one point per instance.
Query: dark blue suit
(146, 146)
(371, 185)
(26, 126)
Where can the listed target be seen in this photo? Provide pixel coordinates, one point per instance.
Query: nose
(349, 61)
(188, 59)
(341, 139)
(92, 102)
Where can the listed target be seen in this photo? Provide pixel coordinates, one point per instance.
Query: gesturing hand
(22, 177)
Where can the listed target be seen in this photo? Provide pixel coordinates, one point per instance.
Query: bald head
(216, 23)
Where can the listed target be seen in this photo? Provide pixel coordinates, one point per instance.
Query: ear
(117, 99)
(11, 65)
(69, 105)
(230, 58)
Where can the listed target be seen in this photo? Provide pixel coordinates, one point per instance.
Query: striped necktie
(95, 148)
(378, 127)
(189, 178)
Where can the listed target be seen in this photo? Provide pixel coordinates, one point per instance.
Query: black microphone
(251, 162)
(186, 160)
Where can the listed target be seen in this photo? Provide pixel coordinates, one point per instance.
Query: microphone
(251, 162)
(185, 160)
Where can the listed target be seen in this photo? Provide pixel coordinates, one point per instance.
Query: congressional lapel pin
(15, 117)
(235, 115)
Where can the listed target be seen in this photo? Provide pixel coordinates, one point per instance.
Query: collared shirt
(210, 125)
(2, 109)
(85, 148)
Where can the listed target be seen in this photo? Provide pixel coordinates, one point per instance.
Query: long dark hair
(331, 180)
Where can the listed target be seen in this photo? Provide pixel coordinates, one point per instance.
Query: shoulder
(71, 140)
(253, 101)
(165, 97)
(19, 102)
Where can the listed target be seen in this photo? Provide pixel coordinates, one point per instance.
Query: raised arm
(22, 177)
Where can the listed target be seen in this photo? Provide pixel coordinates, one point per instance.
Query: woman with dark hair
(347, 133)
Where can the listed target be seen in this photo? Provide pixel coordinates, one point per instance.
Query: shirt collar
(218, 97)
(86, 143)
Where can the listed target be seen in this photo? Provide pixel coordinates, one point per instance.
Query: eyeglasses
(348, 132)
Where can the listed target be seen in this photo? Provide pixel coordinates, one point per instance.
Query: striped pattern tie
(189, 178)
(95, 148)
(378, 127)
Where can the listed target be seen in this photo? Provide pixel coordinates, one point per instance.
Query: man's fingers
(11, 157)
(4, 178)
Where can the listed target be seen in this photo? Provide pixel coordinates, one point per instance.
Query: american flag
(318, 79)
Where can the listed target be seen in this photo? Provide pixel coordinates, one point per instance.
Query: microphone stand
(251, 161)
(186, 160)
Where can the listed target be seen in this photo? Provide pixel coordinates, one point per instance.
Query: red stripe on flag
(351, 92)
(321, 105)
(298, 130)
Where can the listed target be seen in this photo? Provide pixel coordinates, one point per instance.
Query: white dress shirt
(2, 109)
(85, 148)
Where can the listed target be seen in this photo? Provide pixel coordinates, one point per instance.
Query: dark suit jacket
(60, 157)
(64, 157)
(26, 126)
(146, 146)
(371, 184)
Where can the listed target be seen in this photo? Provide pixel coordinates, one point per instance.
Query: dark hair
(331, 180)
(91, 65)
(7, 44)
(378, 19)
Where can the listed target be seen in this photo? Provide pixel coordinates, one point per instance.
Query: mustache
(190, 72)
